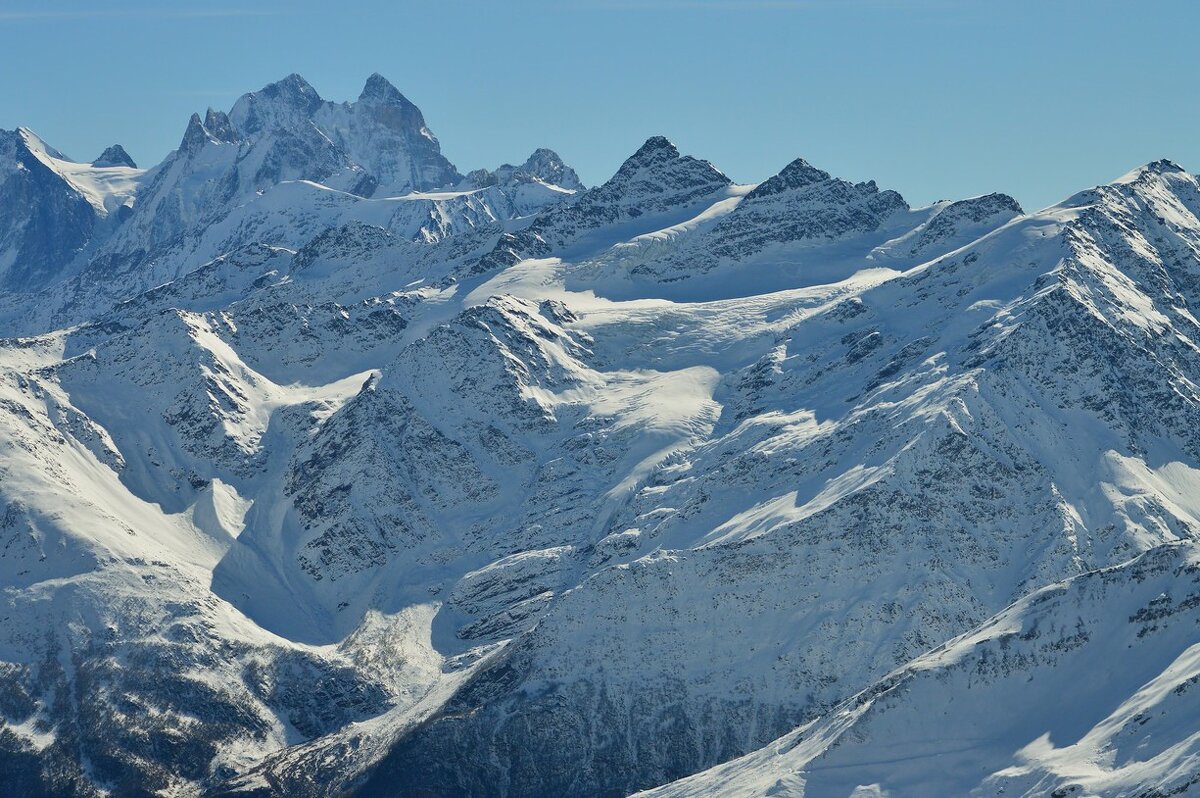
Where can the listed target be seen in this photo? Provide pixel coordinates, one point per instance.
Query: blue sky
(934, 98)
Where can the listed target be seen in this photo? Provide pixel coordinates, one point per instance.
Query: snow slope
(1019, 706)
(329, 470)
(56, 211)
(862, 446)
(282, 166)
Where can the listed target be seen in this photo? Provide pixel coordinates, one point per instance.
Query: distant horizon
(1049, 100)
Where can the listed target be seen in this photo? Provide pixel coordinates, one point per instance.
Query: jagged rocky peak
(379, 89)
(658, 168)
(993, 209)
(386, 104)
(547, 166)
(979, 208)
(801, 205)
(797, 174)
(659, 156)
(654, 148)
(543, 165)
(963, 220)
(194, 136)
(802, 178)
(115, 156)
(802, 184)
(293, 89)
(218, 125)
(1163, 166)
(654, 181)
(282, 104)
(377, 145)
(215, 128)
(387, 134)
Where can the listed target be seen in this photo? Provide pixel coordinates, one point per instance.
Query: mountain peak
(658, 155)
(293, 91)
(546, 165)
(380, 89)
(797, 174)
(194, 136)
(218, 125)
(655, 147)
(1162, 166)
(284, 103)
(115, 156)
(36, 143)
(292, 87)
(214, 127)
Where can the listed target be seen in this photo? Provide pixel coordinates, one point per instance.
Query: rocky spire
(797, 174)
(115, 156)
(379, 89)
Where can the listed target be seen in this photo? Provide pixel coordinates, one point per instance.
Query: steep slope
(184, 410)
(122, 673)
(281, 167)
(54, 209)
(655, 187)
(543, 166)
(860, 458)
(401, 498)
(518, 488)
(931, 448)
(1017, 706)
(800, 227)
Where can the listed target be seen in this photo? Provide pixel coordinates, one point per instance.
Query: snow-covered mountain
(1085, 687)
(329, 470)
(56, 210)
(282, 166)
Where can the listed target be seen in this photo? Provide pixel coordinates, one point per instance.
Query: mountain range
(327, 469)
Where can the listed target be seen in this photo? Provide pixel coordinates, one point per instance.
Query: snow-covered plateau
(327, 469)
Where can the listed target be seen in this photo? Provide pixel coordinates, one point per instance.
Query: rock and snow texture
(1086, 687)
(54, 210)
(114, 156)
(326, 469)
(280, 167)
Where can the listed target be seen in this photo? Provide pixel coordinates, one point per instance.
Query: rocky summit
(327, 469)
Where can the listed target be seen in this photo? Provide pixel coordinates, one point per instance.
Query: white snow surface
(105, 187)
(670, 484)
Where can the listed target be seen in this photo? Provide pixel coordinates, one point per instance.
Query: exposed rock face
(962, 221)
(1138, 737)
(115, 156)
(355, 476)
(282, 166)
(46, 222)
(655, 180)
(653, 187)
(808, 205)
(543, 165)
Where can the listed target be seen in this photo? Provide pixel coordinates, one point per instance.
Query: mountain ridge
(507, 486)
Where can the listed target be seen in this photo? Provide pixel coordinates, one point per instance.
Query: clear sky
(934, 98)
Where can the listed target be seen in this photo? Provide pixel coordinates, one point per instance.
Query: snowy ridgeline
(328, 470)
